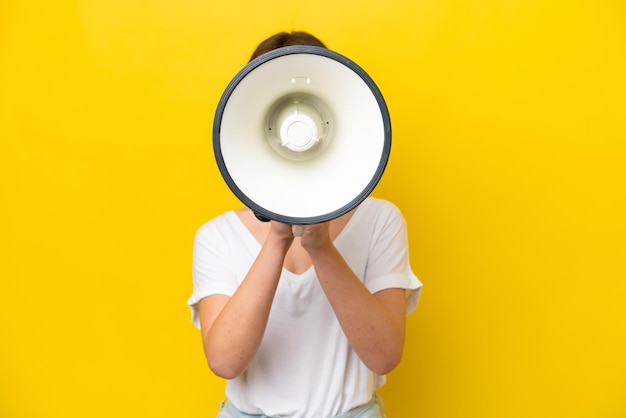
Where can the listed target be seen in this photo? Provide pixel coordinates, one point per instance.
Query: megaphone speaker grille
(302, 135)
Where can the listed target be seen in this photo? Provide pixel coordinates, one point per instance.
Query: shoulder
(380, 209)
(381, 204)
(222, 225)
(385, 218)
(376, 218)
(219, 221)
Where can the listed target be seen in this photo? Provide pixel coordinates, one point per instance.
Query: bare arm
(233, 327)
(373, 324)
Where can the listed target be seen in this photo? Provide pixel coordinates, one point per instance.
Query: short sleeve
(210, 266)
(388, 263)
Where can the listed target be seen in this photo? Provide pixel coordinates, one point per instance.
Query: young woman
(303, 326)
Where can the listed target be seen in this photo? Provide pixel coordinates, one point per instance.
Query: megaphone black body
(301, 135)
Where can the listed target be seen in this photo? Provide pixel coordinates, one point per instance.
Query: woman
(303, 326)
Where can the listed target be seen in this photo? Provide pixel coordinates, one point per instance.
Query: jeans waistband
(373, 409)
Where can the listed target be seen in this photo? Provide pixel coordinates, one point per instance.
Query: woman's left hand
(316, 237)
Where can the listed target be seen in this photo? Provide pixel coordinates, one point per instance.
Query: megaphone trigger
(261, 217)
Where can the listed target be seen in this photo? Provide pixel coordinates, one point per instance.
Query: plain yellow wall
(508, 162)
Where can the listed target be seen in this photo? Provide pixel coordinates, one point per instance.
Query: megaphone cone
(301, 135)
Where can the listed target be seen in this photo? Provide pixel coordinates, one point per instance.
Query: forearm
(236, 333)
(374, 332)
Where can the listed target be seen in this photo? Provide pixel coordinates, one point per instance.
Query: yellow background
(508, 162)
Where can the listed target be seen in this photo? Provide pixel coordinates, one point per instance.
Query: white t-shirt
(305, 366)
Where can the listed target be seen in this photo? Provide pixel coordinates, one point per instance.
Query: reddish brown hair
(282, 39)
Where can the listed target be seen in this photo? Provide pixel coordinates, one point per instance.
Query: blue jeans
(373, 409)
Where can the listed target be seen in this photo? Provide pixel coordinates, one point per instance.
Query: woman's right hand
(281, 233)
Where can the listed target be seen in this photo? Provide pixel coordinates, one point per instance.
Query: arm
(373, 324)
(233, 327)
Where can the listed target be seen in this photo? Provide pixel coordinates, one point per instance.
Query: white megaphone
(301, 135)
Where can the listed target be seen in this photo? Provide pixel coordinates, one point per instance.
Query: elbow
(223, 369)
(387, 358)
(386, 364)
(223, 361)
(224, 373)
(224, 365)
